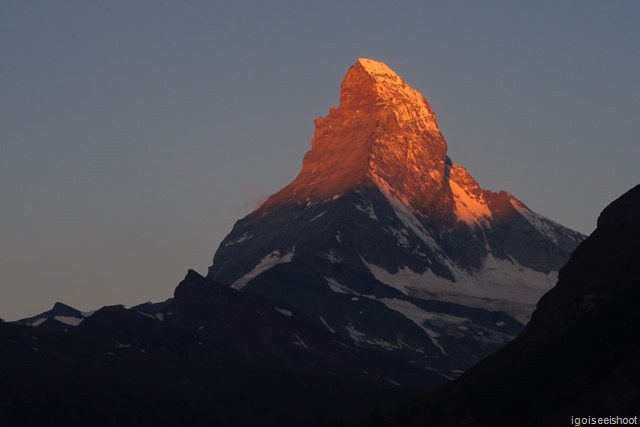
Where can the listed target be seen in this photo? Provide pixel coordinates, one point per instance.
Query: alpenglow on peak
(383, 130)
(374, 83)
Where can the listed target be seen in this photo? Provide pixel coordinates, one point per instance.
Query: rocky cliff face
(383, 240)
(383, 130)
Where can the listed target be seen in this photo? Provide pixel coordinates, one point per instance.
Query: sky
(133, 134)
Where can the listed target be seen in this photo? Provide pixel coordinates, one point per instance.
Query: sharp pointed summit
(383, 240)
(383, 132)
(377, 91)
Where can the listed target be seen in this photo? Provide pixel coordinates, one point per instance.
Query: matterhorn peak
(384, 241)
(383, 133)
(368, 81)
(371, 83)
(376, 68)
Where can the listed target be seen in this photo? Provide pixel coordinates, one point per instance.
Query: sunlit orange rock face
(383, 131)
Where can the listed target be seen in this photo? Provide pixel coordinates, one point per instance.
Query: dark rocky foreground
(217, 358)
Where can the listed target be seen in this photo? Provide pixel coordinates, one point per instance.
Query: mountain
(577, 356)
(60, 317)
(382, 240)
(209, 356)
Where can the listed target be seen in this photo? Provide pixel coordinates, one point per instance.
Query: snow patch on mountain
(273, 259)
(416, 315)
(401, 235)
(545, 226)
(361, 338)
(324, 322)
(299, 342)
(499, 279)
(405, 278)
(403, 211)
(501, 284)
(515, 282)
(317, 216)
(243, 238)
(38, 322)
(337, 287)
(367, 208)
(148, 315)
(468, 208)
(284, 312)
(68, 320)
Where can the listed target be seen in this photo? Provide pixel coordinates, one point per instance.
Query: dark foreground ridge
(210, 356)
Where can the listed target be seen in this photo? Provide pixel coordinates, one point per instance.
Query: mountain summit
(383, 240)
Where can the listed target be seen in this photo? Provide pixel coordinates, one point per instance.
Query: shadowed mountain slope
(578, 356)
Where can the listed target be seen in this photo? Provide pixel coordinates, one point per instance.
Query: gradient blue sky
(133, 134)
